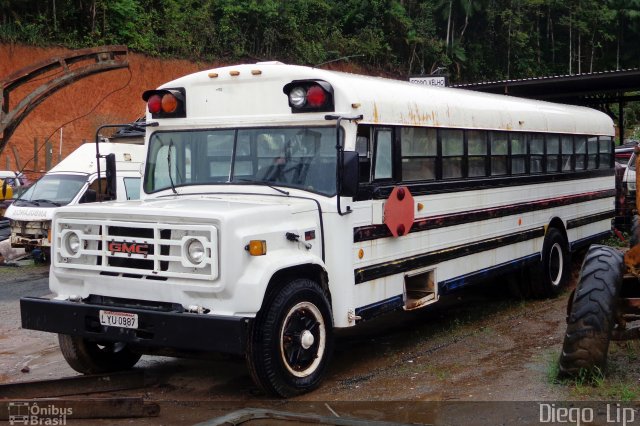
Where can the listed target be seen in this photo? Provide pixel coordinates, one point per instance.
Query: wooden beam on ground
(75, 385)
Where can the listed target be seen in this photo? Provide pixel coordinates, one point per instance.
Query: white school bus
(280, 203)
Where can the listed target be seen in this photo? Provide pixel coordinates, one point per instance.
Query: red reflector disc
(169, 103)
(316, 96)
(154, 104)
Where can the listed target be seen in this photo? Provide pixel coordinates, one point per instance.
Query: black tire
(92, 358)
(294, 322)
(634, 239)
(555, 265)
(593, 312)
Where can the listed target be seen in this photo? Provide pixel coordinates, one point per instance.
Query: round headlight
(72, 243)
(195, 251)
(298, 97)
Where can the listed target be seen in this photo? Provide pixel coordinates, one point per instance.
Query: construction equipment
(605, 304)
(61, 71)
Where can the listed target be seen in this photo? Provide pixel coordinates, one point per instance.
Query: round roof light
(169, 103)
(316, 96)
(154, 104)
(298, 97)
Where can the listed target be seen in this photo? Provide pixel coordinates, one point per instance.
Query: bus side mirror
(110, 191)
(349, 173)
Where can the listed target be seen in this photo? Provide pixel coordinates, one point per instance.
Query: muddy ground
(476, 345)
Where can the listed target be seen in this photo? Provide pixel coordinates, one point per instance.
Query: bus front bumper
(175, 330)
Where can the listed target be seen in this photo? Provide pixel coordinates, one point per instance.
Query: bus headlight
(195, 251)
(72, 243)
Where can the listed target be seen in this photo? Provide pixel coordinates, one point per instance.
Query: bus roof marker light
(316, 96)
(169, 103)
(234, 73)
(166, 103)
(256, 72)
(154, 104)
(298, 97)
(213, 75)
(309, 96)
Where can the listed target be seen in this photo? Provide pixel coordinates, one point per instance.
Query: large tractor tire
(592, 314)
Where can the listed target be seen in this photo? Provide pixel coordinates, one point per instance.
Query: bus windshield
(297, 157)
(52, 190)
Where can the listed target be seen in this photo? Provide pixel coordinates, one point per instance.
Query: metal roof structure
(598, 89)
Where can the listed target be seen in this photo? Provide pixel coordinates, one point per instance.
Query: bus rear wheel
(291, 340)
(554, 267)
(89, 357)
(592, 312)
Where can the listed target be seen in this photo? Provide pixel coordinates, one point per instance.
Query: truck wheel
(291, 340)
(592, 314)
(91, 358)
(554, 266)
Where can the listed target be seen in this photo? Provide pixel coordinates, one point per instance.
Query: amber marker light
(257, 247)
(360, 254)
(234, 73)
(169, 103)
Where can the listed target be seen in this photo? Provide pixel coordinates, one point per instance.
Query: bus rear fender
(558, 224)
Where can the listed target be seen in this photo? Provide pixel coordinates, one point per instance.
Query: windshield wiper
(42, 200)
(263, 183)
(173, 187)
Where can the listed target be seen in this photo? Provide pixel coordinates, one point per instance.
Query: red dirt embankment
(80, 98)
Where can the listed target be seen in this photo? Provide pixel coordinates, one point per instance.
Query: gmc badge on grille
(123, 247)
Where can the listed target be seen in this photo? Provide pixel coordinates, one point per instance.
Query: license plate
(118, 319)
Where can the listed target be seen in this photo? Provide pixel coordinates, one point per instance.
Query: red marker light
(154, 104)
(316, 96)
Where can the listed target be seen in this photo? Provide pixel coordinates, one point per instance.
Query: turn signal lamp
(257, 247)
(309, 96)
(166, 103)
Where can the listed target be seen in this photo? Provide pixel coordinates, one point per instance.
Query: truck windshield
(52, 190)
(297, 157)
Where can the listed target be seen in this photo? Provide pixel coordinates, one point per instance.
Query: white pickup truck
(73, 181)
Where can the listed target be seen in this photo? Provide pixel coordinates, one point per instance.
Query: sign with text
(434, 80)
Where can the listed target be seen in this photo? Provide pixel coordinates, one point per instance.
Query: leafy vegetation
(470, 39)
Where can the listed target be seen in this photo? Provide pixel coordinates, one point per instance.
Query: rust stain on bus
(376, 117)
(418, 118)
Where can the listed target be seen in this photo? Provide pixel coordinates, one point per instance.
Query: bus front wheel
(89, 357)
(291, 339)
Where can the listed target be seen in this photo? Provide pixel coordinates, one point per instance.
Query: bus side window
(383, 152)
(419, 153)
(132, 188)
(452, 141)
(362, 148)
